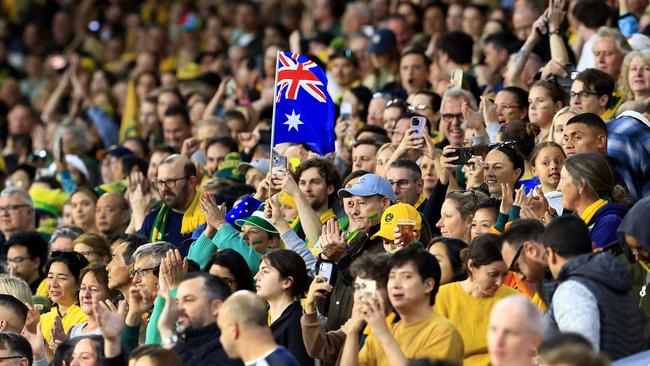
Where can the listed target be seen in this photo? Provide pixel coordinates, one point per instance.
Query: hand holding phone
(456, 78)
(346, 111)
(325, 270)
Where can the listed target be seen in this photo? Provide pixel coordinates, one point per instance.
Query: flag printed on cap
(304, 110)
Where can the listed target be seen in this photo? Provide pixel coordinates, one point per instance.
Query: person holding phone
(413, 281)
(281, 280)
(326, 346)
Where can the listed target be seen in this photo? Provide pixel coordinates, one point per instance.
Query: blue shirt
(628, 150)
(278, 357)
(172, 231)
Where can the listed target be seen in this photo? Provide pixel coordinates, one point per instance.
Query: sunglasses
(514, 266)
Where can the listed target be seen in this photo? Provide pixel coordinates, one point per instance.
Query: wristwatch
(169, 340)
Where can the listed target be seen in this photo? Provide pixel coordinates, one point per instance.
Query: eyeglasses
(169, 183)
(497, 145)
(514, 266)
(394, 102)
(401, 184)
(448, 117)
(140, 272)
(583, 95)
(10, 357)
(419, 107)
(11, 208)
(16, 260)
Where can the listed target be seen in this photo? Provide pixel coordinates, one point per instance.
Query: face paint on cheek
(511, 114)
(373, 216)
(257, 243)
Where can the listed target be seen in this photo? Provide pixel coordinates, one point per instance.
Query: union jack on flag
(304, 110)
(293, 75)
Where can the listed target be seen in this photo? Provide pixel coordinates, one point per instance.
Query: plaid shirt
(628, 148)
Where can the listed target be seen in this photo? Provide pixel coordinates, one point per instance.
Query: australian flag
(304, 110)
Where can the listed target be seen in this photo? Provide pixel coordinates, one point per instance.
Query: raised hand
(506, 198)
(331, 241)
(285, 183)
(474, 171)
(473, 118)
(273, 212)
(356, 323)
(189, 147)
(490, 114)
(263, 188)
(33, 332)
(375, 314)
(59, 335)
(447, 165)
(110, 319)
(215, 214)
(140, 301)
(172, 269)
(556, 14)
(317, 292)
(411, 141)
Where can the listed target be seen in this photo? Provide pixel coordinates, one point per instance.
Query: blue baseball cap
(369, 185)
(382, 41)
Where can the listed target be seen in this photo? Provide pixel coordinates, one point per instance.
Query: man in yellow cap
(402, 218)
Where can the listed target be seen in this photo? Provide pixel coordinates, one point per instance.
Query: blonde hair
(16, 287)
(623, 80)
(564, 110)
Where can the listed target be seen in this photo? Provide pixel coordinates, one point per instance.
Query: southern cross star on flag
(304, 110)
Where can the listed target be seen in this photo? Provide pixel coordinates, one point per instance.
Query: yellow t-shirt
(434, 337)
(471, 316)
(42, 288)
(73, 316)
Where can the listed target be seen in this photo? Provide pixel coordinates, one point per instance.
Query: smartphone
(279, 165)
(230, 87)
(346, 111)
(325, 270)
(463, 153)
(456, 78)
(265, 136)
(370, 287)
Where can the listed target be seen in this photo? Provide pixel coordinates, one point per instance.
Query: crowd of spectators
(144, 221)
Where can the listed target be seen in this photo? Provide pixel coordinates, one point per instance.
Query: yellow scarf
(419, 201)
(590, 211)
(193, 217)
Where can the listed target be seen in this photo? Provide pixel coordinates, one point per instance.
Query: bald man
(245, 333)
(112, 214)
(176, 183)
(515, 331)
(13, 314)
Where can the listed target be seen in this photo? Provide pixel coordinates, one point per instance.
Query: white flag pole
(275, 101)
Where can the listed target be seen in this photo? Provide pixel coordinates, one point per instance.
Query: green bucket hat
(258, 219)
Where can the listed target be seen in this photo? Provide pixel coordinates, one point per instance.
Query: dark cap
(382, 41)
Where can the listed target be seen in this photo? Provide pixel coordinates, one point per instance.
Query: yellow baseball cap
(395, 213)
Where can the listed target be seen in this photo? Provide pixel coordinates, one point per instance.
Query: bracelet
(557, 32)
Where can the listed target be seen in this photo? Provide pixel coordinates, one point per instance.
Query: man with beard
(175, 221)
(317, 182)
(523, 251)
(199, 298)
